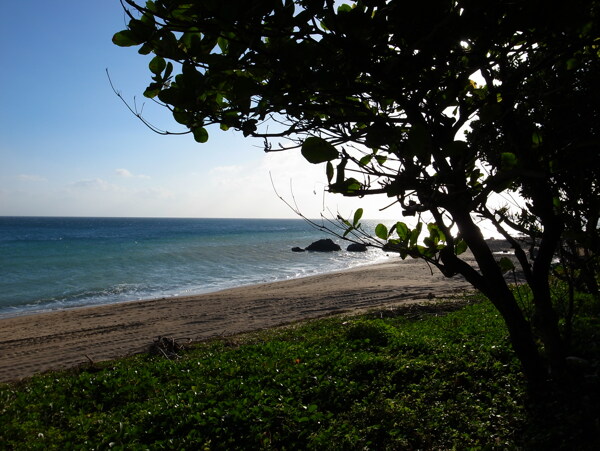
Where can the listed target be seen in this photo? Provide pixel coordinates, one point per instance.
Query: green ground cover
(415, 378)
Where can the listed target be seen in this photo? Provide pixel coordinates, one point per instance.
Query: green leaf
(152, 90)
(402, 230)
(169, 70)
(508, 160)
(145, 49)
(506, 264)
(329, 171)
(556, 202)
(414, 234)
(157, 65)
(170, 96)
(378, 135)
(365, 160)
(381, 159)
(352, 185)
(346, 187)
(435, 234)
(126, 38)
(249, 127)
(345, 222)
(357, 215)
(223, 44)
(148, 19)
(460, 247)
(381, 231)
(316, 150)
(347, 231)
(183, 117)
(151, 6)
(200, 134)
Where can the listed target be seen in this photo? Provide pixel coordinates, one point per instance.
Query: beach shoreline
(28, 310)
(38, 342)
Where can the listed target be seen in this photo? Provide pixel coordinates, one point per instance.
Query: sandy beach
(40, 342)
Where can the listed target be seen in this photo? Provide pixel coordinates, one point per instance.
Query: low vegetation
(420, 377)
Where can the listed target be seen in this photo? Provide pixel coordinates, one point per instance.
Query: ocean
(52, 263)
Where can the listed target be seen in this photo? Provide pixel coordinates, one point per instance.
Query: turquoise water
(57, 263)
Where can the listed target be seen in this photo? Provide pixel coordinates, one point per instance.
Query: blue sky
(69, 147)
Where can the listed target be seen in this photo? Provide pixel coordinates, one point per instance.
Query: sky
(69, 146)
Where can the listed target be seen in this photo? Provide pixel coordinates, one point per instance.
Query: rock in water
(297, 249)
(357, 247)
(325, 245)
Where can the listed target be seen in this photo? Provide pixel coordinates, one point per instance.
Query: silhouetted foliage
(381, 93)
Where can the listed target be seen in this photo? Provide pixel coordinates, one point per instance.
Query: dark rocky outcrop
(357, 247)
(325, 245)
(297, 249)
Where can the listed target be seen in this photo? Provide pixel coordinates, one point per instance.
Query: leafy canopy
(391, 86)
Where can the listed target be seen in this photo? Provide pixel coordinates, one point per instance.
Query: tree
(381, 92)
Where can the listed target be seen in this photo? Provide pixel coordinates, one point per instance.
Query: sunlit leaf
(381, 231)
(402, 230)
(357, 215)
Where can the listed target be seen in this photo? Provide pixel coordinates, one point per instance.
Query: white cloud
(226, 170)
(123, 173)
(128, 174)
(31, 178)
(154, 193)
(246, 191)
(94, 185)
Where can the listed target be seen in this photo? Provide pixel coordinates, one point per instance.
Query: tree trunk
(545, 318)
(490, 281)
